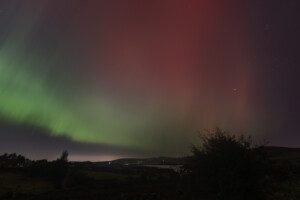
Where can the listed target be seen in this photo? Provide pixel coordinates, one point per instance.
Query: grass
(107, 185)
(297, 190)
(12, 182)
(106, 176)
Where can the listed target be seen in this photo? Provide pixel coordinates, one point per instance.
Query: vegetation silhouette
(59, 169)
(13, 161)
(221, 167)
(226, 166)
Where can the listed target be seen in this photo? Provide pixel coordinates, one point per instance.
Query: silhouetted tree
(64, 156)
(60, 169)
(228, 167)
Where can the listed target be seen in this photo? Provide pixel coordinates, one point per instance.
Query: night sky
(116, 78)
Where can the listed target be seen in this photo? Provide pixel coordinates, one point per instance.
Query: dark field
(92, 182)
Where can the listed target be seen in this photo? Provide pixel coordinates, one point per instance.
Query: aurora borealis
(144, 76)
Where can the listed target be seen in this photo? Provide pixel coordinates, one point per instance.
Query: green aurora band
(28, 96)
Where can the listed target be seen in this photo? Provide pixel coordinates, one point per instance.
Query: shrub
(228, 167)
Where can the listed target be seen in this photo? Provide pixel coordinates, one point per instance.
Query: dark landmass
(130, 178)
(151, 161)
(282, 153)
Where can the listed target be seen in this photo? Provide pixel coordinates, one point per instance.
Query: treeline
(14, 161)
(54, 171)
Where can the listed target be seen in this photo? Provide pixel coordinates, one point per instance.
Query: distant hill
(283, 153)
(276, 153)
(151, 161)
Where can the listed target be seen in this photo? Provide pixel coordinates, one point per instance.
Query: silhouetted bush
(59, 169)
(228, 167)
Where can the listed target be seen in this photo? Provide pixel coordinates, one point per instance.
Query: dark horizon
(50, 147)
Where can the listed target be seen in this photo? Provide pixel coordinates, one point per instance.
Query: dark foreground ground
(109, 183)
(118, 180)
